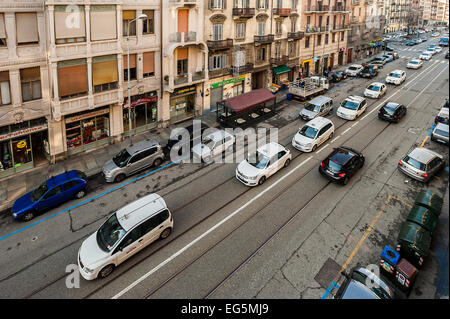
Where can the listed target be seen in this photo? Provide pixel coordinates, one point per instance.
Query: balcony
(238, 70)
(184, 3)
(368, 2)
(296, 35)
(264, 39)
(311, 29)
(339, 8)
(279, 60)
(355, 2)
(219, 44)
(340, 27)
(317, 8)
(181, 37)
(282, 12)
(244, 12)
(219, 72)
(354, 19)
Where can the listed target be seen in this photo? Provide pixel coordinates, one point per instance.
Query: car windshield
(414, 163)
(441, 132)
(414, 62)
(353, 68)
(122, 158)
(395, 75)
(335, 167)
(350, 105)
(110, 233)
(39, 192)
(311, 107)
(258, 160)
(208, 142)
(308, 131)
(390, 108)
(374, 87)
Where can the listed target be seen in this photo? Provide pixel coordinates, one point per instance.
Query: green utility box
(424, 217)
(413, 243)
(430, 200)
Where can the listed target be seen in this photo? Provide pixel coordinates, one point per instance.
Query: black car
(341, 164)
(369, 71)
(392, 112)
(446, 55)
(338, 76)
(193, 139)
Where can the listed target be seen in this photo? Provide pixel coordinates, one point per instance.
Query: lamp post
(141, 16)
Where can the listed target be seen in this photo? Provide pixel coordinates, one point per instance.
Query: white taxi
(414, 64)
(352, 107)
(396, 77)
(313, 134)
(213, 145)
(375, 90)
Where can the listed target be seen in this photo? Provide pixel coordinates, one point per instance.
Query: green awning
(281, 69)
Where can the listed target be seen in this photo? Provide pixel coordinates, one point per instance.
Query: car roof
(218, 135)
(271, 149)
(398, 71)
(442, 127)
(320, 100)
(341, 155)
(417, 60)
(142, 145)
(61, 178)
(393, 105)
(375, 83)
(356, 65)
(422, 154)
(355, 98)
(318, 122)
(356, 290)
(135, 212)
(443, 111)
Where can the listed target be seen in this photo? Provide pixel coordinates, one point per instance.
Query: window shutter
(27, 28)
(65, 26)
(103, 23)
(211, 63)
(30, 74)
(132, 61)
(2, 27)
(104, 69)
(72, 77)
(149, 62)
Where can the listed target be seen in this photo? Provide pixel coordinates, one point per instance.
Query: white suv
(396, 77)
(124, 233)
(313, 134)
(213, 144)
(354, 69)
(414, 64)
(263, 163)
(352, 107)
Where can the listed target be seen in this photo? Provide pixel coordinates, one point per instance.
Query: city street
(271, 241)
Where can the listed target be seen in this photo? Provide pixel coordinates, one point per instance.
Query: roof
(139, 146)
(355, 98)
(271, 149)
(217, 135)
(139, 210)
(341, 155)
(397, 71)
(318, 122)
(319, 100)
(61, 178)
(249, 100)
(442, 127)
(422, 154)
(281, 69)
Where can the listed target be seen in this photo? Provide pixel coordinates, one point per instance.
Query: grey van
(319, 106)
(132, 159)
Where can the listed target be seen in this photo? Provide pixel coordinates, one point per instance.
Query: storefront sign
(23, 132)
(341, 49)
(86, 116)
(143, 100)
(22, 144)
(179, 91)
(229, 81)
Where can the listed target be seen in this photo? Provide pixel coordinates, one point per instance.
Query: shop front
(227, 88)
(182, 103)
(23, 146)
(306, 64)
(281, 75)
(143, 113)
(87, 130)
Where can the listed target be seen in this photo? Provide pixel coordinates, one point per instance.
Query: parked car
(133, 159)
(388, 58)
(319, 106)
(51, 193)
(381, 59)
(341, 164)
(438, 49)
(212, 145)
(440, 133)
(338, 76)
(425, 56)
(354, 70)
(388, 48)
(442, 116)
(435, 34)
(369, 71)
(421, 164)
(446, 55)
(352, 107)
(393, 55)
(378, 63)
(176, 141)
(126, 232)
(414, 64)
(392, 112)
(375, 90)
(431, 51)
(356, 286)
(396, 77)
(263, 163)
(313, 134)
(410, 43)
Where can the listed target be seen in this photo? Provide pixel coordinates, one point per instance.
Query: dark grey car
(133, 159)
(319, 106)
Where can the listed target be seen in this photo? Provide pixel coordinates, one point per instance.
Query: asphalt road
(231, 241)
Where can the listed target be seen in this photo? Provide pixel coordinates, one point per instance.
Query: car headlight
(308, 145)
(252, 178)
(14, 214)
(88, 270)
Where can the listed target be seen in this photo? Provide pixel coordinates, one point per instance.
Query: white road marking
(179, 252)
(346, 130)
(334, 139)
(321, 149)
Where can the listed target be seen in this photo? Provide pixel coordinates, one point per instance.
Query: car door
(135, 163)
(322, 135)
(70, 189)
(148, 157)
(350, 167)
(52, 198)
(272, 168)
(361, 108)
(434, 166)
(129, 245)
(152, 228)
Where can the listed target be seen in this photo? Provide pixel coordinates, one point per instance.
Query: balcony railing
(197, 76)
(188, 3)
(296, 35)
(237, 70)
(311, 29)
(282, 12)
(216, 45)
(264, 39)
(279, 60)
(219, 72)
(181, 79)
(355, 2)
(339, 8)
(181, 37)
(244, 12)
(340, 27)
(317, 8)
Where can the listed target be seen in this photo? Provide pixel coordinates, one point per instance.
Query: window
(292, 48)
(182, 61)
(137, 157)
(72, 78)
(148, 23)
(127, 17)
(294, 4)
(326, 38)
(240, 30)
(30, 79)
(149, 64)
(261, 28)
(319, 39)
(103, 22)
(134, 235)
(281, 154)
(149, 152)
(67, 29)
(262, 54)
(279, 28)
(342, 36)
(307, 42)
(53, 192)
(216, 4)
(217, 62)
(5, 93)
(293, 25)
(69, 185)
(104, 73)
(262, 4)
(241, 3)
(308, 20)
(334, 38)
(27, 28)
(217, 32)
(2, 31)
(278, 50)
(132, 67)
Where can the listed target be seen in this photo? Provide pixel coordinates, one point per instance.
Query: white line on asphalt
(179, 252)
(322, 148)
(334, 139)
(346, 130)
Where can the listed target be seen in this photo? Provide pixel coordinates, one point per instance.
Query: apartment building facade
(435, 12)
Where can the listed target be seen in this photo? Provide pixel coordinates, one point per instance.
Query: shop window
(127, 17)
(31, 84)
(148, 23)
(86, 131)
(5, 92)
(238, 89)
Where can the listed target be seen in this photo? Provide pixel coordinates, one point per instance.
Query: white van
(124, 233)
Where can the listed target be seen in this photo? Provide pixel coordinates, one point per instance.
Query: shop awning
(249, 100)
(281, 69)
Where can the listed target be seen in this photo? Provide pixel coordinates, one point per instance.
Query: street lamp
(140, 17)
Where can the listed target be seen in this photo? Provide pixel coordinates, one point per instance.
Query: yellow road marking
(437, 177)
(401, 201)
(426, 138)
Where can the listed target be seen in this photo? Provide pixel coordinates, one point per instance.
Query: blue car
(51, 193)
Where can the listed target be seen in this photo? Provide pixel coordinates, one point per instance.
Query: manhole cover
(328, 273)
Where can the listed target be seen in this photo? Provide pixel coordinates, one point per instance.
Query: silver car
(421, 164)
(440, 133)
(132, 159)
(319, 106)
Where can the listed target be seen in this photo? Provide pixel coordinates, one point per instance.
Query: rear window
(395, 75)
(414, 163)
(334, 166)
(441, 132)
(81, 175)
(374, 88)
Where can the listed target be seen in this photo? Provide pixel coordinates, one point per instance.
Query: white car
(396, 77)
(263, 163)
(352, 107)
(435, 34)
(213, 145)
(354, 69)
(313, 134)
(438, 49)
(425, 56)
(432, 51)
(414, 64)
(123, 234)
(375, 90)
